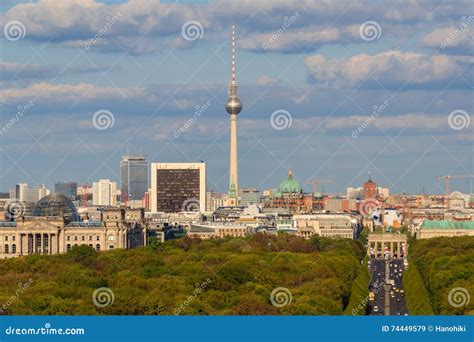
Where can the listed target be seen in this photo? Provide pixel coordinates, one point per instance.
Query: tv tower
(233, 106)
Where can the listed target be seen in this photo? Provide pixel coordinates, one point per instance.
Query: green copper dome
(289, 185)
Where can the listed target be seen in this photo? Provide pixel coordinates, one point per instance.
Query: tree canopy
(232, 276)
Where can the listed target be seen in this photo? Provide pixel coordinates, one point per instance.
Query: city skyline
(343, 102)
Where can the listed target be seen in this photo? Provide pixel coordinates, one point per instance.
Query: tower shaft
(233, 107)
(233, 177)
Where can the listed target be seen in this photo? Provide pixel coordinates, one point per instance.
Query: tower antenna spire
(233, 53)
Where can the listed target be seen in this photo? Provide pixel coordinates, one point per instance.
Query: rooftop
(431, 224)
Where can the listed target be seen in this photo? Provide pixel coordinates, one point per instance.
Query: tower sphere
(233, 105)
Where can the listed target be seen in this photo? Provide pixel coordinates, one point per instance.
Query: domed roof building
(290, 196)
(56, 205)
(289, 186)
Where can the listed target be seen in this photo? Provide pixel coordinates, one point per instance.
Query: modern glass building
(133, 178)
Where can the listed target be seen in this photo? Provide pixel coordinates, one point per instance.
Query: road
(386, 285)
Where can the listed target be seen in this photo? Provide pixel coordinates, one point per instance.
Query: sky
(332, 89)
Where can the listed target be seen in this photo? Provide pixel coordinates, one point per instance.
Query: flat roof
(444, 224)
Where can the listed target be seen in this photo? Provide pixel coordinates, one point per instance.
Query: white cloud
(298, 40)
(145, 26)
(62, 93)
(454, 40)
(265, 81)
(391, 69)
(13, 70)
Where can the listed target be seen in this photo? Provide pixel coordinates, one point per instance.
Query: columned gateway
(394, 245)
(233, 107)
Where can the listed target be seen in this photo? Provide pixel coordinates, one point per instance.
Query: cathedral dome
(289, 185)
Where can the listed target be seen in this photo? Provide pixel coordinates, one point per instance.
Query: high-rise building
(104, 192)
(233, 106)
(177, 187)
(133, 178)
(22, 192)
(68, 189)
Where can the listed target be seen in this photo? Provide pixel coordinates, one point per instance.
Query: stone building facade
(119, 228)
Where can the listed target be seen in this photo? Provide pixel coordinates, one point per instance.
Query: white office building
(104, 192)
(21, 192)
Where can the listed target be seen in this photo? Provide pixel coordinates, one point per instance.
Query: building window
(83, 238)
(13, 237)
(97, 247)
(6, 249)
(68, 247)
(97, 238)
(75, 238)
(68, 238)
(90, 238)
(14, 248)
(111, 246)
(6, 238)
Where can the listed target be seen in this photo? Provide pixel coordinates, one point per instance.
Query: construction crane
(84, 194)
(315, 181)
(446, 184)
